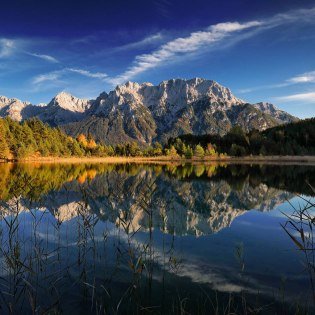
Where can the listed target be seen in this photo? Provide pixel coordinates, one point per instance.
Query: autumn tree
(210, 150)
(81, 138)
(172, 152)
(199, 151)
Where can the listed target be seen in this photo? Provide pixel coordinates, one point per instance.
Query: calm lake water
(123, 239)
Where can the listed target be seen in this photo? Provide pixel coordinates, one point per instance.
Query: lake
(155, 239)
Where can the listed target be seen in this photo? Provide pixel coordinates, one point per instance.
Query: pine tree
(189, 153)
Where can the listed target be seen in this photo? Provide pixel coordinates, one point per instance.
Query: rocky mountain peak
(173, 93)
(192, 90)
(4, 101)
(133, 90)
(12, 107)
(70, 102)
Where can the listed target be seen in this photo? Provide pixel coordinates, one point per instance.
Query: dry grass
(310, 160)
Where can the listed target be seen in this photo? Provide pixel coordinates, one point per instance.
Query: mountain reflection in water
(158, 222)
(189, 199)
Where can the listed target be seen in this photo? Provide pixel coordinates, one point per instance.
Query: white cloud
(44, 57)
(264, 87)
(149, 40)
(55, 76)
(215, 36)
(95, 75)
(302, 97)
(6, 47)
(182, 46)
(50, 76)
(308, 77)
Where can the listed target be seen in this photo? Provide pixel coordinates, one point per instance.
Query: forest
(296, 138)
(33, 138)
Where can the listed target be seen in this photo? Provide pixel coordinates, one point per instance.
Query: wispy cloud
(53, 76)
(302, 97)
(182, 46)
(21, 47)
(145, 42)
(44, 57)
(6, 47)
(264, 87)
(95, 75)
(57, 75)
(213, 37)
(307, 77)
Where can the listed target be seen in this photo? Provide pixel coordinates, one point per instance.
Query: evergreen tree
(157, 149)
(188, 153)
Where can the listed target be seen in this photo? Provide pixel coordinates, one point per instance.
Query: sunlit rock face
(146, 198)
(16, 109)
(63, 109)
(146, 112)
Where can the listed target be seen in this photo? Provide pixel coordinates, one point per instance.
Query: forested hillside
(33, 138)
(296, 138)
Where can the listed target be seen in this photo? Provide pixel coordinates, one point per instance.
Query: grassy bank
(171, 159)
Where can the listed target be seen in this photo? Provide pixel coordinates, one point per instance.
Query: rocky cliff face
(144, 112)
(63, 109)
(272, 110)
(16, 109)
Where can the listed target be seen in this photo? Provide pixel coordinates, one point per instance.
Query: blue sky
(261, 50)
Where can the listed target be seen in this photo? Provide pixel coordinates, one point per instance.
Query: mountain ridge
(146, 113)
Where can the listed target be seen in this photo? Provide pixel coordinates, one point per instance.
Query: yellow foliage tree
(81, 138)
(210, 151)
(91, 144)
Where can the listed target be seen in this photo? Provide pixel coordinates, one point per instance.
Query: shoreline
(309, 160)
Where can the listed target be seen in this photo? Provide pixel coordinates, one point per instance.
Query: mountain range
(146, 113)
